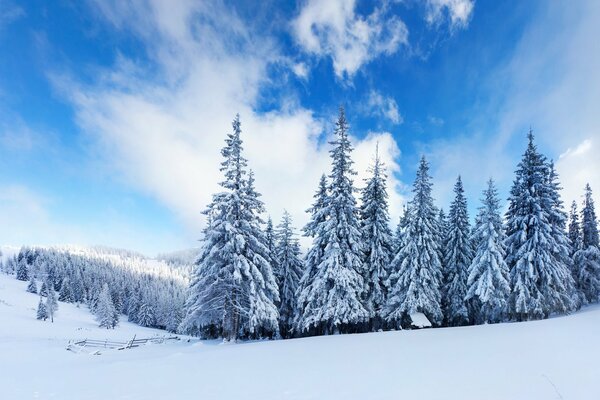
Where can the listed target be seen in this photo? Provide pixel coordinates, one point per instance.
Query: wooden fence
(110, 344)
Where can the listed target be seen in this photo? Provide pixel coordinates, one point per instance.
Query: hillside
(551, 359)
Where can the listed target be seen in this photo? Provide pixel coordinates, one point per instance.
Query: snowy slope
(552, 359)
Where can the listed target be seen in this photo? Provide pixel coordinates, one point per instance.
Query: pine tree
(417, 268)
(22, 271)
(233, 289)
(270, 243)
(66, 294)
(558, 285)
(540, 280)
(51, 303)
(587, 258)
(42, 312)
(32, 287)
(458, 256)
(146, 315)
(291, 268)
(378, 240)
(574, 230)
(106, 313)
(313, 229)
(488, 287)
(44, 289)
(332, 300)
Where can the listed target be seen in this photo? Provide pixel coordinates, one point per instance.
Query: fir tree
(313, 229)
(106, 313)
(417, 268)
(540, 280)
(378, 240)
(587, 258)
(332, 300)
(233, 288)
(488, 287)
(32, 287)
(42, 312)
(574, 229)
(146, 315)
(290, 271)
(66, 294)
(458, 256)
(22, 271)
(270, 243)
(51, 303)
(44, 289)
(558, 285)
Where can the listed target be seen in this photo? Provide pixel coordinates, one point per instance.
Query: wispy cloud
(334, 29)
(383, 106)
(456, 12)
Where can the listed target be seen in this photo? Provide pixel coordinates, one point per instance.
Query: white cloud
(333, 28)
(164, 133)
(457, 11)
(300, 70)
(383, 106)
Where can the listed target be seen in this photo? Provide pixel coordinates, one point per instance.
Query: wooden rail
(110, 344)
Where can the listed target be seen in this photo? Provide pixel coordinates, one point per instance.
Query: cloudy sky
(112, 113)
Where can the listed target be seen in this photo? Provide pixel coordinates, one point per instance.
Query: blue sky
(112, 113)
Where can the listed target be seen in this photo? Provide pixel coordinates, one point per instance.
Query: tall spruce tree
(42, 312)
(587, 258)
(458, 256)
(313, 229)
(290, 270)
(558, 283)
(574, 229)
(487, 284)
(540, 279)
(332, 301)
(106, 313)
(378, 240)
(416, 268)
(233, 288)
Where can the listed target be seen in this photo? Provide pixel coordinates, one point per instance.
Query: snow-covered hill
(551, 359)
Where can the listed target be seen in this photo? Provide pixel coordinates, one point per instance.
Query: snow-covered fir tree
(313, 229)
(540, 279)
(146, 314)
(587, 259)
(106, 313)
(233, 288)
(416, 268)
(290, 270)
(66, 293)
(22, 271)
(32, 286)
(558, 284)
(487, 285)
(270, 243)
(51, 303)
(574, 229)
(378, 240)
(332, 300)
(44, 289)
(42, 312)
(458, 255)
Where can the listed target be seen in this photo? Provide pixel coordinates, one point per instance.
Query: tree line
(251, 280)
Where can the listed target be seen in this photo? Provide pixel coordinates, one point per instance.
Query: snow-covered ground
(553, 359)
